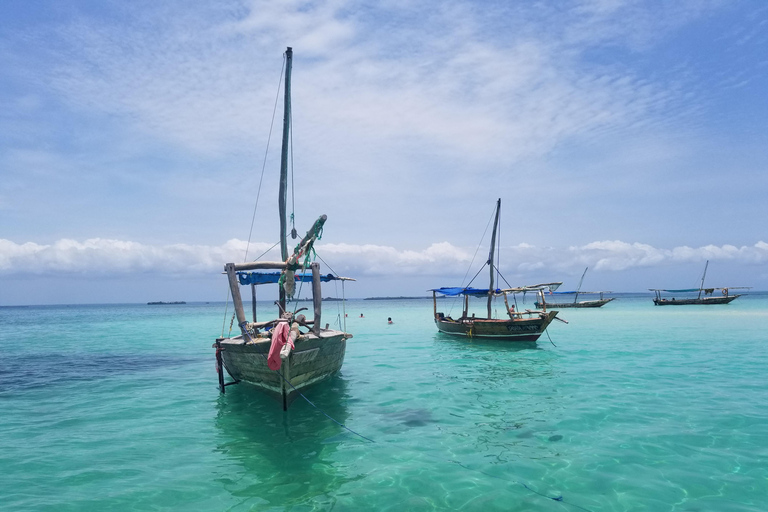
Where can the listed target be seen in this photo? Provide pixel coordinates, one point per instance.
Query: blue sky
(627, 136)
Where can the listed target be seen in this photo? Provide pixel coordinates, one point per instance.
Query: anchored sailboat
(519, 326)
(597, 303)
(285, 355)
(710, 297)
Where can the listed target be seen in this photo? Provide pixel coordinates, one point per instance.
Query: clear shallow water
(636, 408)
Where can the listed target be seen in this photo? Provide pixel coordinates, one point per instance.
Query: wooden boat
(525, 325)
(597, 303)
(317, 352)
(710, 294)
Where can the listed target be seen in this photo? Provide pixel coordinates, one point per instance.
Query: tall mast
(283, 193)
(491, 254)
(282, 198)
(701, 286)
(579, 288)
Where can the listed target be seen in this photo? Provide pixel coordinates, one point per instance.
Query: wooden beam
(255, 265)
(317, 296)
(237, 300)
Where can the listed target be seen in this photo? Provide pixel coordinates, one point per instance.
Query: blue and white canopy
(483, 292)
(274, 277)
(456, 290)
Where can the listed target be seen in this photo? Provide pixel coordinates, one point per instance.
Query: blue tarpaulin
(274, 277)
(453, 291)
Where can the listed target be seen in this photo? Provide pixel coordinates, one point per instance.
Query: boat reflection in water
(285, 458)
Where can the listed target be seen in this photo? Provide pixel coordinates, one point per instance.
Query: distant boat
(317, 352)
(163, 303)
(519, 326)
(597, 303)
(710, 296)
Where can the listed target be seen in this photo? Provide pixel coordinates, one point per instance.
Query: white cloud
(467, 95)
(118, 257)
(407, 114)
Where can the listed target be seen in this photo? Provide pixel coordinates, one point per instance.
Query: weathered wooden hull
(525, 329)
(583, 304)
(686, 302)
(314, 359)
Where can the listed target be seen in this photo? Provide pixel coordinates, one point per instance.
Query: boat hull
(583, 304)
(524, 329)
(314, 359)
(688, 302)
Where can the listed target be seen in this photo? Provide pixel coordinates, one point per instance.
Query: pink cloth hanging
(280, 336)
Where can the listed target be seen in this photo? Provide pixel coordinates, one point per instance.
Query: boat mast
(701, 286)
(491, 254)
(579, 288)
(283, 193)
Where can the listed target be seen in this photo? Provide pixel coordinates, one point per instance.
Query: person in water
(361, 315)
(389, 320)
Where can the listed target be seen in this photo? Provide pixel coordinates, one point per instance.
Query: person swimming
(389, 320)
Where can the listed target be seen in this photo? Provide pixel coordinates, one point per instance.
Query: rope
(498, 252)
(550, 339)
(316, 407)
(343, 292)
(265, 252)
(325, 413)
(264, 164)
(498, 273)
(226, 308)
(293, 181)
(477, 249)
(558, 498)
(553, 498)
(478, 273)
(343, 304)
(329, 267)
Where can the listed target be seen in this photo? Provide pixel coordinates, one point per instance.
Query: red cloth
(279, 338)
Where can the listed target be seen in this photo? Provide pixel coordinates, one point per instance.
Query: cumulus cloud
(119, 257)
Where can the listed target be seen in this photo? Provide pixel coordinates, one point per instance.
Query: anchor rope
(550, 339)
(558, 498)
(323, 412)
(553, 498)
(315, 406)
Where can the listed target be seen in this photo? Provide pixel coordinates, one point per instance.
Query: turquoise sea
(630, 407)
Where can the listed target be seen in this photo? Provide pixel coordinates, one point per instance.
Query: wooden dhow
(285, 355)
(595, 303)
(522, 326)
(711, 295)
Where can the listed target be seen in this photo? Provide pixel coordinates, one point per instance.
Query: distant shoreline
(163, 303)
(401, 298)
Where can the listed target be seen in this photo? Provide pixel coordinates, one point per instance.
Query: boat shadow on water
(286, 457)
(494, 362)
(486, 343)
